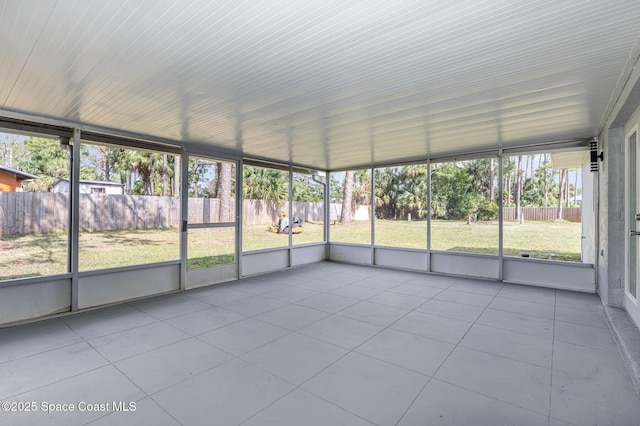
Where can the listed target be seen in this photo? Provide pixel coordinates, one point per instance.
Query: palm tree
(265, 184)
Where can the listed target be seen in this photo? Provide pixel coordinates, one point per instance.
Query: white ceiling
(324, 83)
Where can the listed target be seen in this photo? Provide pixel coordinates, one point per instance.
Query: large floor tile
(147, 412)
(374, 313)
(417, 290)
(253, 305)
(225, 395)
(257, 286)
(132, 342)
(441, 403)
(356, 292)
(520, 307)
(328, 302)
(104, 385)
(453, 310)
(302, 408)
(520, 323)
(477, 286)
(205, 320)
(445, 329)
(294, 358)
(373, 389)
(584, 401)
(581, 316)
(31, 372)
(527, 293)
(510, 344)
(432, 280)
(602, 366)
(243, 336)
(29, 339)
(290, 294)
(576, 300)
(186, 358)
(405, 301)
(376, 283)
(585, 335)
(514, 382)
(292, 317)
(113, 319)
(321, 285)
(467, 298)
(169, 306)
(407, 350)
(217, 294)
(341, 331)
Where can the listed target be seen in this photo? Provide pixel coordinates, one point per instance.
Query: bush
(488, 210)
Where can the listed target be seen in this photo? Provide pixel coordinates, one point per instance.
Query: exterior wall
(611, 194)
(8, 182)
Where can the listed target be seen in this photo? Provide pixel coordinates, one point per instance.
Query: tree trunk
(347, 196)
(164, 175)
(177, 177)
(546, 185)
(518, 193)
(561, 195)
(224, 192)
(491, 179)
(575, 188)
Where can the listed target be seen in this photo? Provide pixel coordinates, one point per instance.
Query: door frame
(632, 201)
(220, 273)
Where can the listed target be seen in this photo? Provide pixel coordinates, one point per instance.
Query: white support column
(239, 224)
(74, 208)
(184, 215)
(500, 219)
(428, 215)
(373, 215)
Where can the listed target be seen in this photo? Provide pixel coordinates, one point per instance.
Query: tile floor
(326, 344)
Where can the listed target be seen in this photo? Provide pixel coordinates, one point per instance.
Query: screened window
(351, 207)
(401, 206)
(265, 209)
(34, 206)
(464, 206)
(542, 207)
(134, 218)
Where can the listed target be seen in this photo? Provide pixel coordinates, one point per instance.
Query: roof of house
(92, 182)
(19, 175)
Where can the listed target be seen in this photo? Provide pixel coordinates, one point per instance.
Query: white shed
(91, 187)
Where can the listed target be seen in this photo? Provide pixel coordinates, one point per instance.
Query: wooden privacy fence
(571, 214)
(26, 212)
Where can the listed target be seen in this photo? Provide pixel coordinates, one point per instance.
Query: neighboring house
(11, 179)
(90, 187)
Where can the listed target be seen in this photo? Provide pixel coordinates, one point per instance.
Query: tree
(347, 196)
(47, 160)
(518, 190)
(12, 150)
(265, 184)
(224, 191)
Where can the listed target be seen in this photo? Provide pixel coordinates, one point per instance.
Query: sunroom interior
(195, 150)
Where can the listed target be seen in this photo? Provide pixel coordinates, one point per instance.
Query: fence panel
(27, 212)
(571, 214)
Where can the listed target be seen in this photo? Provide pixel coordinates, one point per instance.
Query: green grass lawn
(46, 254)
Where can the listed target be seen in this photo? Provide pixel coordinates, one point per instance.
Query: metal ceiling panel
(328, 84)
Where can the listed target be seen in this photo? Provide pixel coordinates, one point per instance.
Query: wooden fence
(571, 214)
(25, 212)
